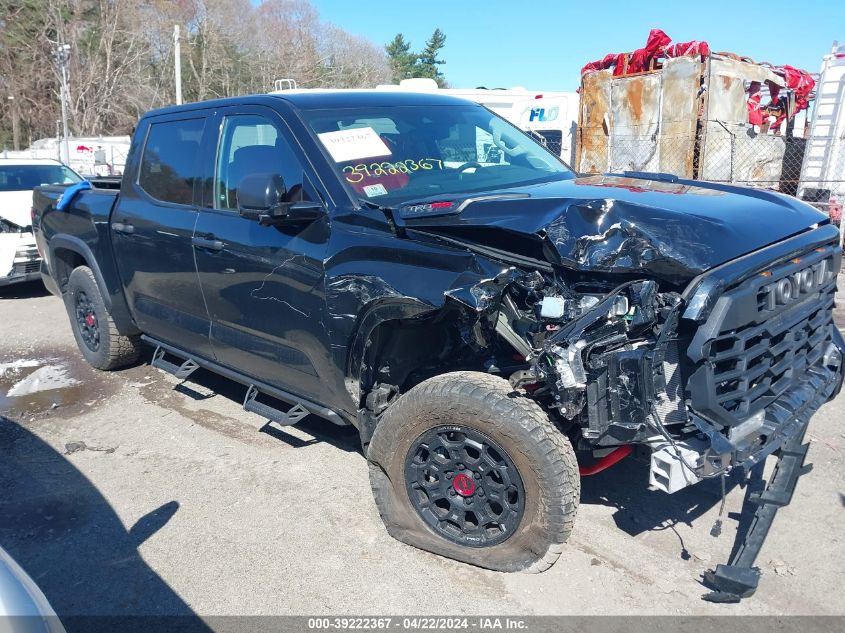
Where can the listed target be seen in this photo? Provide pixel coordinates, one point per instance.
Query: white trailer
(552, 115)
(89, 155)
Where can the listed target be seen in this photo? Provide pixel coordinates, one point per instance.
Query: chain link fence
(811, 169)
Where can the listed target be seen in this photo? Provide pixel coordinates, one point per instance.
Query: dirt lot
(128, 493)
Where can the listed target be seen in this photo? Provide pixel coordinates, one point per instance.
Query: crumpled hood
(15, 207)
(673, 231)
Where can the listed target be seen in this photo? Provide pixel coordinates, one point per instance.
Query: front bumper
(19, 278)
(19, 258)
(739, 578)
(780, 364)
(754, 363)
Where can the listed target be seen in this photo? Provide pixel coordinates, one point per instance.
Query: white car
(23, 606)
(19, 258)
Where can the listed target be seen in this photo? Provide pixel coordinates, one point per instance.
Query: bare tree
(121, 57)
(351, 61)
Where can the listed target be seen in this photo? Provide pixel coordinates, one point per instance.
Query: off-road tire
(542, 454)
(113, 350)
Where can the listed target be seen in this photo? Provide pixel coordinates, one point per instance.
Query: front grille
(27, 261)
(25, 268)
(756, 350)
(755, 365)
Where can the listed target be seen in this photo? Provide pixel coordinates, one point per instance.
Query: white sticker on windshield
(375, 190)
(354, 144)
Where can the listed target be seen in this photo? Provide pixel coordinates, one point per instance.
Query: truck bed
(83, 227)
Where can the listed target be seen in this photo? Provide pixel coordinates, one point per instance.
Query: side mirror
(261, 197)
(260, 194)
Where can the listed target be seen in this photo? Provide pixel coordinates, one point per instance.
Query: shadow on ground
(638, 509)
(204, 385)
(63, 532)
(66, 536)
(26, 290)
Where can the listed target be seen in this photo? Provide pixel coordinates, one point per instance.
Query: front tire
(93, 328)
(463, 467)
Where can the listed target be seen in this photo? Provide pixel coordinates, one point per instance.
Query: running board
(284, 418)
(182, 371)
(300, 407)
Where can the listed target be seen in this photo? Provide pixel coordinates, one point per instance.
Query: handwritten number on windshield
(357, 173)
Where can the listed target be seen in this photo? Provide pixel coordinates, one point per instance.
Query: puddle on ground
(30, 387)
(59, 382)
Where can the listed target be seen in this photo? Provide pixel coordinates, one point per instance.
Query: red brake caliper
(89, 319)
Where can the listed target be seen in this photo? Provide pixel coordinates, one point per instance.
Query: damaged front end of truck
(625, 341)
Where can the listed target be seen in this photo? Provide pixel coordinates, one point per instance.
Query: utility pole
(62, 55)
(16, 136)
(177, 64)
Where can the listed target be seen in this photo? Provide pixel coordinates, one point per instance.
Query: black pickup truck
(494, 325)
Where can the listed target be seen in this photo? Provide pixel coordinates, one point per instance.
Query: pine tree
(402, 61)
(428, 62)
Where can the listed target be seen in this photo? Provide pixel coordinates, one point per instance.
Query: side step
(300, 407)
(285, 418)
(182, 371)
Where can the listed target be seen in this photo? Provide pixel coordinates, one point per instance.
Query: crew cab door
(263, 284)
(152, 227)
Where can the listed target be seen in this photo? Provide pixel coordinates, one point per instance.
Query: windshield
(28, 177)
(396, 154)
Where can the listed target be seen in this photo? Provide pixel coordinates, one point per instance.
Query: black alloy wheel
(96, 334)
(464, 486)
(86, 318)
(463, 467)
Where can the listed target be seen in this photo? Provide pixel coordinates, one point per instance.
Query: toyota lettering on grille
(792, 287)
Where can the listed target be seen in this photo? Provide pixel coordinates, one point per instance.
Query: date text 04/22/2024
(417, 623)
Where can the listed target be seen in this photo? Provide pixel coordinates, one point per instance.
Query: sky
(542, 44)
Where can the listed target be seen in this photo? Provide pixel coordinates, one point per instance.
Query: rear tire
(93, 328)
(515, 477)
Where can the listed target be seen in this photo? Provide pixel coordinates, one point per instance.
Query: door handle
(120, 227)
(207, 243)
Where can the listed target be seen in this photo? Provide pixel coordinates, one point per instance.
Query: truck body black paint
(668, 313)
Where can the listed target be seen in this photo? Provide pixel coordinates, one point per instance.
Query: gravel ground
(128, 493)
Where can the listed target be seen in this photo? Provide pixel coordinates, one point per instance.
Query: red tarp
(691, 49)
(656, 46)
(800, 82)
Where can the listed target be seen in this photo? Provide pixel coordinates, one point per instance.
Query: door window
(251, 144)
(169, 165)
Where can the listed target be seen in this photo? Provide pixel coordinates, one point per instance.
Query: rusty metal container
(688, 118)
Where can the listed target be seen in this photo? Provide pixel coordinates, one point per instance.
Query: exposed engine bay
(617, 365)
(603, 361)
